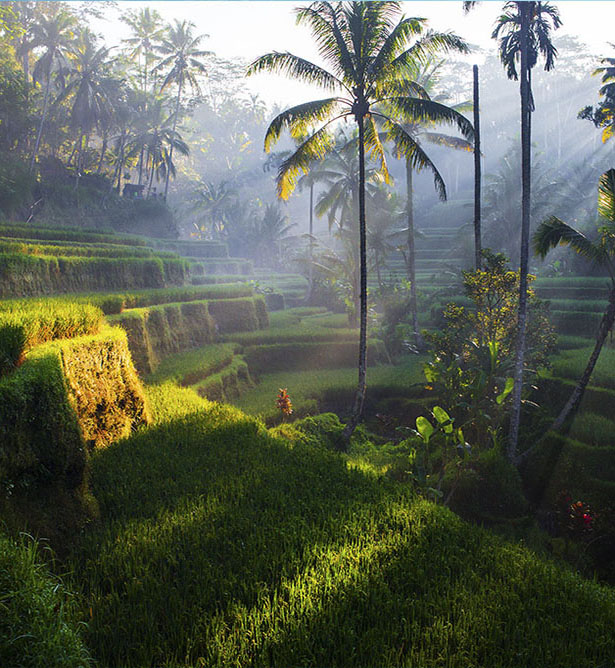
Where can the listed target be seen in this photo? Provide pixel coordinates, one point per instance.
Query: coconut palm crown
(371, 51)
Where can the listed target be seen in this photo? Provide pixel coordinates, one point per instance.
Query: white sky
(250, 28)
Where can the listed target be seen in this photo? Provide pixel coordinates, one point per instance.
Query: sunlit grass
(221, 545)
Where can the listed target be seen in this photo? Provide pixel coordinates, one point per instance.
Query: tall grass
(25, 324)
(38, 627)
(221, 545)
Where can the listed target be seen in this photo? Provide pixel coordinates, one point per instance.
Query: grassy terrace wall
(68, 397)
(200, 249)
(17, 231)
(232, 266)
(157, 331)
(28, 275)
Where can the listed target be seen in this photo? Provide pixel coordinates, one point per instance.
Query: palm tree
(420, 129)
(181, 50)
(603, 115)
(160, 139)
(366, 46)
(93, 88)
(553, 232)
(54, 36)
(147, 31)
(523, 31)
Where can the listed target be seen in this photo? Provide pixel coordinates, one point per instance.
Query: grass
(30, 275)
(73, 249)
(593, 429)
(193, 366)
(38, 626)
(313, 391)
(570, 364)
(223, 545)
(26, 324)
(30, 232)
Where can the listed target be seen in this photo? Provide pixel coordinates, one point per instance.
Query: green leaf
(460, 438)
(441, 415)
(510, 383)
(424, 427)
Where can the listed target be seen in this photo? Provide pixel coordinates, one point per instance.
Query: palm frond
(313, 148)
(447, 140)
(297, 68)
(415, 110)
(298, 120)
(410, 149)
(553, 232)
(606, 195)
(324, 21)
(375, 147)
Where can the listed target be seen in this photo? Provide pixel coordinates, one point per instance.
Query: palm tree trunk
(179, 92)
(151, 179)
(515, 417)
(477, 174)
(141, 164)
(40, 127)
(411, 257)
(311, 266)
(361, 386)
(606, 325)
(103, 150)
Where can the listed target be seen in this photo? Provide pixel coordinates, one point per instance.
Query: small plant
(434, 446)
(284, 403)
(575, 518)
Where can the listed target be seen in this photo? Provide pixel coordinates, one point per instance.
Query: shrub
(38, 625)
(486, 489)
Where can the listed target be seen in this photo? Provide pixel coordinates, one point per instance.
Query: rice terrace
(306, 334)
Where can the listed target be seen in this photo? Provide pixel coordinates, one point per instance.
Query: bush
(235, 315)
(486, 489)
(38, 625)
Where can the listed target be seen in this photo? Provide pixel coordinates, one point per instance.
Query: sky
(250, 28)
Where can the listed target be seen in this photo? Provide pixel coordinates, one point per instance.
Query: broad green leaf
(424, 427)
(510, 383)
(441, 415)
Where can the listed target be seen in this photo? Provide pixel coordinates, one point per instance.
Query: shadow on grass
(222, 546)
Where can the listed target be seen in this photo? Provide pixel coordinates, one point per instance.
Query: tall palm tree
(160, 139)
(421, 130)
(182, 55)
(524, 33)
(54, 36)
(93, 90)
(553, 232)
(367, 48)
(146, 33)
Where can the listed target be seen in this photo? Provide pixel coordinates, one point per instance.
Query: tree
(54, 36)
(553, 232)
(419, 129)
(182, 55)
(147, 31)
(93, 90)
(523, 31)
(366, 47)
